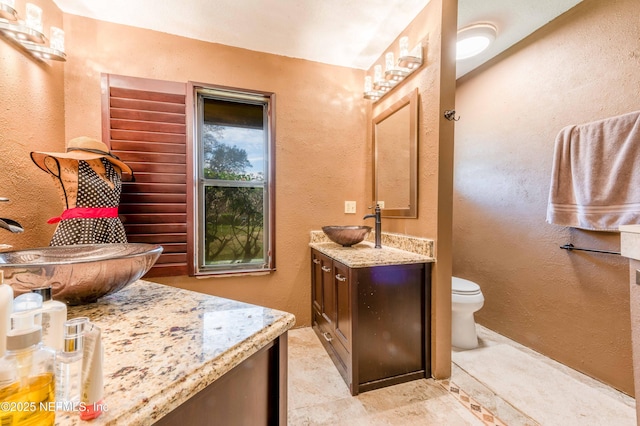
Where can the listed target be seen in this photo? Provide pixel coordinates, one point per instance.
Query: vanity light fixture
(394, 72)
(474, 39)
(28, 34)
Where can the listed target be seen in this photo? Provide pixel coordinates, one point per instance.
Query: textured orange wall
(320, 137)
(573, 307)
(31, 119)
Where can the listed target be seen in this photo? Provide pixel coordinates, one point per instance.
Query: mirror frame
(411, 211)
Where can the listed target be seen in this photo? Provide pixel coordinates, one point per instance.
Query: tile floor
(488, 387)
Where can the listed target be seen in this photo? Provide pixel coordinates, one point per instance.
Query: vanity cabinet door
(328, 292)
(344, 312)
(316, 274)
(322, 291)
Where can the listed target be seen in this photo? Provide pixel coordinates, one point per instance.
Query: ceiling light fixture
(474, 39)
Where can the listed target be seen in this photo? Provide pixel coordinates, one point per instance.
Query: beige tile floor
(319, 396)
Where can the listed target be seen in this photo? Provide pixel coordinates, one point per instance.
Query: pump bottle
(27, 376)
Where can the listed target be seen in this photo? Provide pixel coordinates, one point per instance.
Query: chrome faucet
(378, 231)
(8, 224)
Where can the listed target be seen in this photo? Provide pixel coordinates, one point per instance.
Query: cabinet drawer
(321, 322)
(328, 336)
(336, 351)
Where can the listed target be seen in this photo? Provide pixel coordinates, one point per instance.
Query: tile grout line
(482, 413)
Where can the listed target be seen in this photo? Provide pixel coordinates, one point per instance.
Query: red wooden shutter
(144, 123)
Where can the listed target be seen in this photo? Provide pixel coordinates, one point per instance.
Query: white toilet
(466, 298)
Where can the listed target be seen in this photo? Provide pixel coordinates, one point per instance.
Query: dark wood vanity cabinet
(373, 321)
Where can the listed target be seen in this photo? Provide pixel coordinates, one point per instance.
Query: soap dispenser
(27, 392)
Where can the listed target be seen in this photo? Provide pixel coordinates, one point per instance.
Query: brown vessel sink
(346, 236)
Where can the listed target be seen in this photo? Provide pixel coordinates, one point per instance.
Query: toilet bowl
(466, 298)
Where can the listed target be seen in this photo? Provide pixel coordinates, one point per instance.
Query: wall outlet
(350, 207)
(381, 204)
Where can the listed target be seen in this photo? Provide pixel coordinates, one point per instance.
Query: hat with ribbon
(82, 148)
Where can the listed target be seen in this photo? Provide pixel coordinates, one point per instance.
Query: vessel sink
(78, 274)
(346, 235)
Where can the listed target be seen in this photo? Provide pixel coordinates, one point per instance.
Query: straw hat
(82, 148)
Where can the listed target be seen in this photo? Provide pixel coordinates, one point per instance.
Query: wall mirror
(395, 158)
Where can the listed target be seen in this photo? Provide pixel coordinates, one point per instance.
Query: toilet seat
(464, 287)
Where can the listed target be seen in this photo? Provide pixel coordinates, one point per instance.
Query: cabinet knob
(327, 336)
(326, 269)
(316, 261)
(341, 278)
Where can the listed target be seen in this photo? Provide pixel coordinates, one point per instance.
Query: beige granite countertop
(634, 229)
(630, 241)
(162, 345)
(364, 254)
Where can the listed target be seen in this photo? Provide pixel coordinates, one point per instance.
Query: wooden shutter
(144, 123)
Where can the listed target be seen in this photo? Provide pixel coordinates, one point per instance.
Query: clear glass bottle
(69, 366)
(27, 383)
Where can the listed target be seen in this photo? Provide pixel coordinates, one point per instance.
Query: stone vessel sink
(346, 235)
(78, 274)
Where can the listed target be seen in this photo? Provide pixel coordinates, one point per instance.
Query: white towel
(595, 179)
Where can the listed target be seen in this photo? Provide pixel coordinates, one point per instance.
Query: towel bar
(571, 247)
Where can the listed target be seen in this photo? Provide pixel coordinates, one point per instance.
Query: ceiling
(351, 33)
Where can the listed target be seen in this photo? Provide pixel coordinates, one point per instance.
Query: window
(203, 190)
(234, 204)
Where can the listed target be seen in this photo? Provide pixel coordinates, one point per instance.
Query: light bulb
(56, 39)
(368, 84)
(377, 73)
(34, 17)
(389, 62)
(404, 46)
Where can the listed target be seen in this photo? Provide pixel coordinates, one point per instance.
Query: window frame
(197, 184)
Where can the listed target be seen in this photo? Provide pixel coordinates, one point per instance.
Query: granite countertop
(365, 254)
(162, 345)
(630, 241)
(634, 229)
